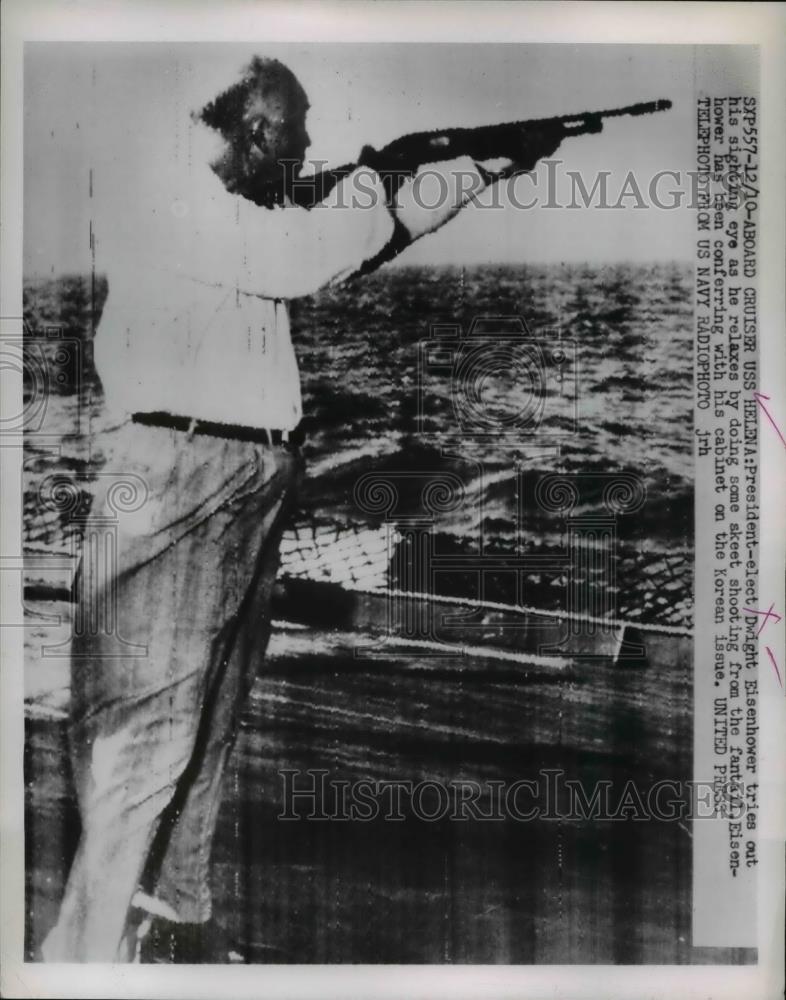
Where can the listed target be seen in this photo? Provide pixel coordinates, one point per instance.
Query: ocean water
(399, 384)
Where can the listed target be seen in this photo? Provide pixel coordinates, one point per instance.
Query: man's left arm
(425, 202)
(436, 193)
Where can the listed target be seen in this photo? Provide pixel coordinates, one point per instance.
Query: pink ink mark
(759, 396)
(769, 613)
(772, 658)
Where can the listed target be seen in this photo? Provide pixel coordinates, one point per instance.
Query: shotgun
(523, 141)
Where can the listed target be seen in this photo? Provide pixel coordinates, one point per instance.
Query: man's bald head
(262, 119)
(261, 77)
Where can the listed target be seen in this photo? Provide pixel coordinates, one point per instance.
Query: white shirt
(196, 321)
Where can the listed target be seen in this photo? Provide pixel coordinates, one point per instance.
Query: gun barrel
(646, 108)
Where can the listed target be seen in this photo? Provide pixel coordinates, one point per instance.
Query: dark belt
(235, 432)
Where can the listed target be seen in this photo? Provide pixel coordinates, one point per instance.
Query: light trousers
(172, 621)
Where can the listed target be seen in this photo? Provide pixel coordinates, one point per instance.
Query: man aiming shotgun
(203, 412)
(497, 152)
(519, 142)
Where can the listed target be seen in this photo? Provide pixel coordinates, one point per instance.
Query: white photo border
(211, 20)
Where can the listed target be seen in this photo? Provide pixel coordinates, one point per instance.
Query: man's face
(273, 129)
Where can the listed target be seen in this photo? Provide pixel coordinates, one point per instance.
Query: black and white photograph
(392, 428)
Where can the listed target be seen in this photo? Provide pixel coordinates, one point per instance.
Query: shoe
(172, 943)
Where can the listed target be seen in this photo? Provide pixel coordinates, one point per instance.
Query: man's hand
(535, 144)
(438, 191)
